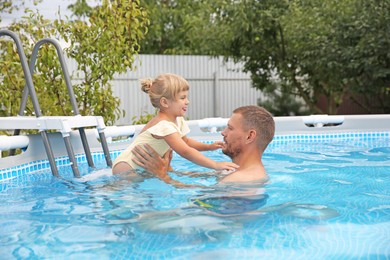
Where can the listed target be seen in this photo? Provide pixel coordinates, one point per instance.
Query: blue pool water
(328, 198)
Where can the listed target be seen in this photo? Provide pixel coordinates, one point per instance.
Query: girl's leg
(121, 167)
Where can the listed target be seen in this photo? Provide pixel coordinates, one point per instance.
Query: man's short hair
(258, 118)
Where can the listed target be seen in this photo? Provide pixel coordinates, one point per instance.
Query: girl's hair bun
(146, 84)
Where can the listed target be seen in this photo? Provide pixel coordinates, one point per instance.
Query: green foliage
(144, 118)
(103, 45)
(342, 48)
(8, 6)
(316, 48)
(181, 27)
(47, 76)
(80, 9)
(283, 104)
(334, 49)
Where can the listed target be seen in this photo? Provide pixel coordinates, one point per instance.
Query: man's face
(234, 136)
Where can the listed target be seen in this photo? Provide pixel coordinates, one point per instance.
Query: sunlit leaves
(102, 45)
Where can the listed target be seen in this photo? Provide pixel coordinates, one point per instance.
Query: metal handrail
(72, 96)
(34, 99)
(29, 89)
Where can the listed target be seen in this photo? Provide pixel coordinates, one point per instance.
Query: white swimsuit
(162, 128)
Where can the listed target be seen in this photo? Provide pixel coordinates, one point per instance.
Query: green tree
(301, 48)
(342, 50)
(80, 9)
(333, 49)
(47, 79)
(103, 45)
(181, 27)
(234, 29)
(8, 6)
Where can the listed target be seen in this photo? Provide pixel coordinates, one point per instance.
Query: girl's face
(179, 107)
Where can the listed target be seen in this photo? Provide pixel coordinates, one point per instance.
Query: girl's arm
(202, 146)
(178, 145)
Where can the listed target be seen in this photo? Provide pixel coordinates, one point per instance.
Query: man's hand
(150, 160)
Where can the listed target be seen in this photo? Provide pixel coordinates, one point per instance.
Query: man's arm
(150, 160)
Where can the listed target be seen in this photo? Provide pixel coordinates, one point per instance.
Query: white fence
(216, 87)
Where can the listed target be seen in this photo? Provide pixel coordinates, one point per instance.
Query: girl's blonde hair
(165, 85)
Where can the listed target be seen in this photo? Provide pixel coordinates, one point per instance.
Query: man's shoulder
(248, 175)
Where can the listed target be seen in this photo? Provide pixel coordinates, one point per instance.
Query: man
(248, 133)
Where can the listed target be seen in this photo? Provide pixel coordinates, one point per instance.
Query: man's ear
(251, 137)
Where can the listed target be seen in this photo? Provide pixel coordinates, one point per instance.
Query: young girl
(169, 93)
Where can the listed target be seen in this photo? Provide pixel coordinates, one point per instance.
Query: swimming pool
(328, 198)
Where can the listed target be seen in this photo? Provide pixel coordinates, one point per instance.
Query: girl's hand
(215, 145)
(226, 166)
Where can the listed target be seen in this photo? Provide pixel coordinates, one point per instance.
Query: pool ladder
(30, 90)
